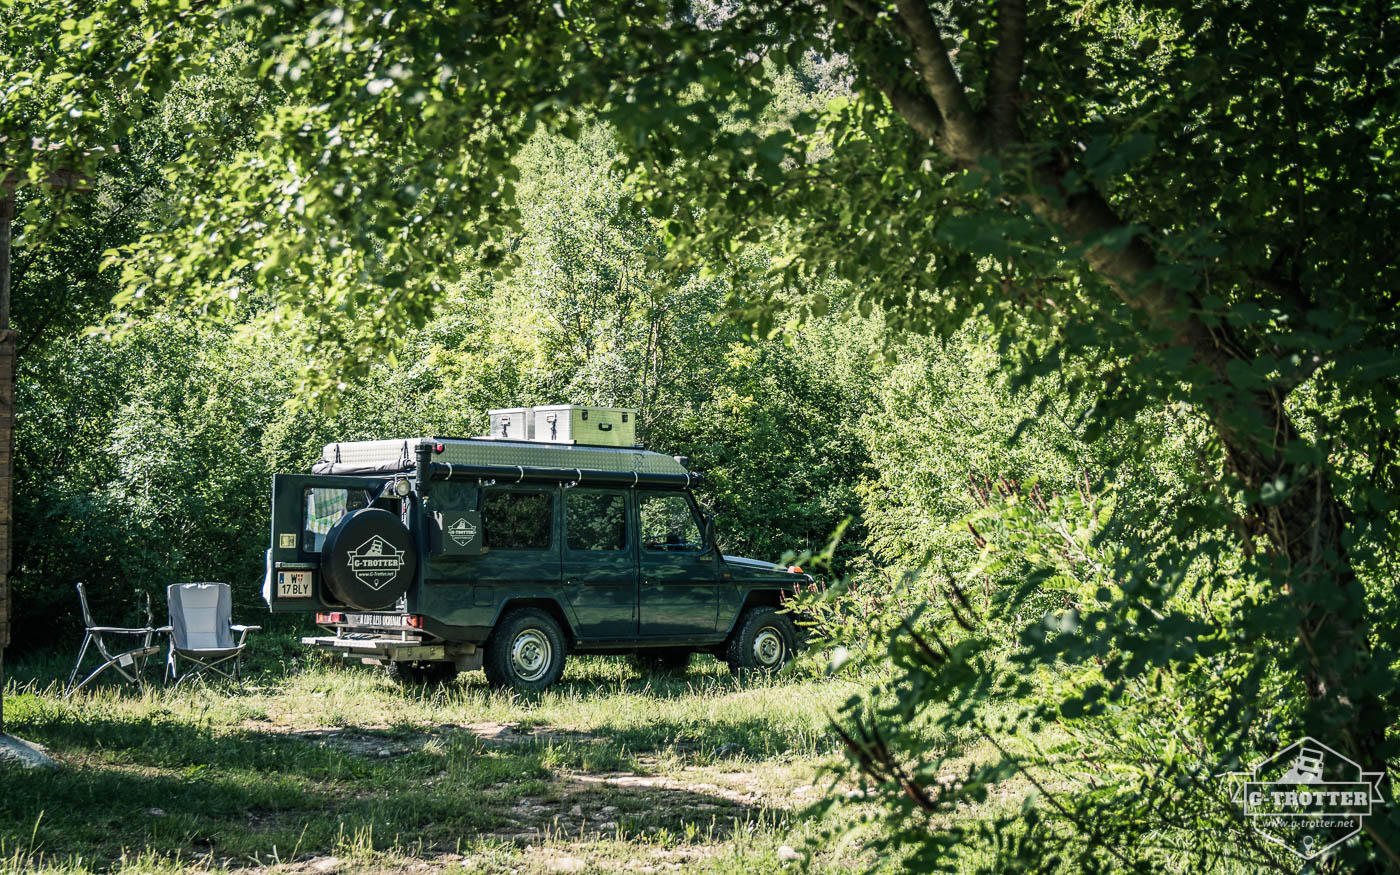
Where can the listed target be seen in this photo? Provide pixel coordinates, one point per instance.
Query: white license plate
(394, 621)
(294, 584)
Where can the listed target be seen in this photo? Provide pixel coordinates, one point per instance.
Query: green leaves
(1193, 222)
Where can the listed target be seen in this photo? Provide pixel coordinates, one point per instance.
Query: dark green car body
(620, 566)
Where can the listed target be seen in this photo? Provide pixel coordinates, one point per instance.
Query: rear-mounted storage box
(591, 426)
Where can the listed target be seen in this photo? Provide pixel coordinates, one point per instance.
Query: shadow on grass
(173, 787)
(268, 658)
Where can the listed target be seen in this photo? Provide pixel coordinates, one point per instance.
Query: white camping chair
(201, 631)
(129, 663)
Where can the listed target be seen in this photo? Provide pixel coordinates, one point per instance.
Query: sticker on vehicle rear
(294, 584)
(393, 621)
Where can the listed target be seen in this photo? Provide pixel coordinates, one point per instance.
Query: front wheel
(763, 640)
(526, 651)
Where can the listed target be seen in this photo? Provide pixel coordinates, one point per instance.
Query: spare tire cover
(368, 559)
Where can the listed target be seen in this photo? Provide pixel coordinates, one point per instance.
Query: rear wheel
(418, 673)
(763, 640)
(662, 660)
(526, 651)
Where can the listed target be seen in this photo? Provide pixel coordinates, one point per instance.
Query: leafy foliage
(1171, 225)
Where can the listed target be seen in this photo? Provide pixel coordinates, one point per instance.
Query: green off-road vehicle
(553, 535)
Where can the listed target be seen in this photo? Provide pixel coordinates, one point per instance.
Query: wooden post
(7, 428)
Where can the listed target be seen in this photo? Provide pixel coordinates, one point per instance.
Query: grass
(314, 766)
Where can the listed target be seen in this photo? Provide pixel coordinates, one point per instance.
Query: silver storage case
(591, 426)
(512, 423)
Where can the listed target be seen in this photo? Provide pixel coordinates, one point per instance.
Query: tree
(1161, 202)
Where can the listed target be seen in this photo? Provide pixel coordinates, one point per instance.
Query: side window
(595, 520)
(517, 520)
(324, 508)
(669, 525)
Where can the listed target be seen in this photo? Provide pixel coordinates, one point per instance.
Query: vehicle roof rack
(507, 461)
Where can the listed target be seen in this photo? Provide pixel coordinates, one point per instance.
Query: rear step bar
(373, 649)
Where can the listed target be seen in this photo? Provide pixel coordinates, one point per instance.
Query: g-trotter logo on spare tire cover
(375, 562)
(368, 559)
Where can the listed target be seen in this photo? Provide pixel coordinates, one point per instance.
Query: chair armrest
(164, 629)
(127, 630)
(243, 631)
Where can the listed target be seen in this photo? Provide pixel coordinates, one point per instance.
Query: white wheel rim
(768, 647)
(531, 655)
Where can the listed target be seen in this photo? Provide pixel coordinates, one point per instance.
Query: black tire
(422, 673)
(368, 559)
(763, 640)
(525, 651)
(662, 660)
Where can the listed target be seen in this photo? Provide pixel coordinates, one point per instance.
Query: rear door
(600, 563)
(304, 508)
(679, 576)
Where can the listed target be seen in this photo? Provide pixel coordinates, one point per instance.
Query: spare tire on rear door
(368, 559)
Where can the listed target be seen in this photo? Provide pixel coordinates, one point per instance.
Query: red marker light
(413, 621)
(794, 569)
(324, 619)
(439, 448)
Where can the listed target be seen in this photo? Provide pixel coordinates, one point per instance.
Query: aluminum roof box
(579, 424)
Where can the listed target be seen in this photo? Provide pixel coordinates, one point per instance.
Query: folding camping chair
(201, 631)
(130, 664)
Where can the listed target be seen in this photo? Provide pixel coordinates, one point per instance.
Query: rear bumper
(379, 649)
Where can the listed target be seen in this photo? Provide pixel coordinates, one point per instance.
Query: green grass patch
(310, 759)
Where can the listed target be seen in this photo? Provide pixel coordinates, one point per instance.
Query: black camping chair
(129, 663)
(201, 631)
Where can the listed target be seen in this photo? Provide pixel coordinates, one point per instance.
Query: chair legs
(130, 664)
(228, 667)
(87, 639)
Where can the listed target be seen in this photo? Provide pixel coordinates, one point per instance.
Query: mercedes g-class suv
(436, 555)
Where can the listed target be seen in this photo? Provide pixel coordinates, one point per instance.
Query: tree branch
(963, 135)
(1004, 79)
(915, 108)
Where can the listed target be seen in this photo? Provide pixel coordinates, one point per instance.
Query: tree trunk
(7, 444)
(7, 428)
(1305, 529)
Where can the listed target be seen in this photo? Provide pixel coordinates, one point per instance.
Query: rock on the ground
(24, 754)
(324, 865)
(786, 852)
(567, 864)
